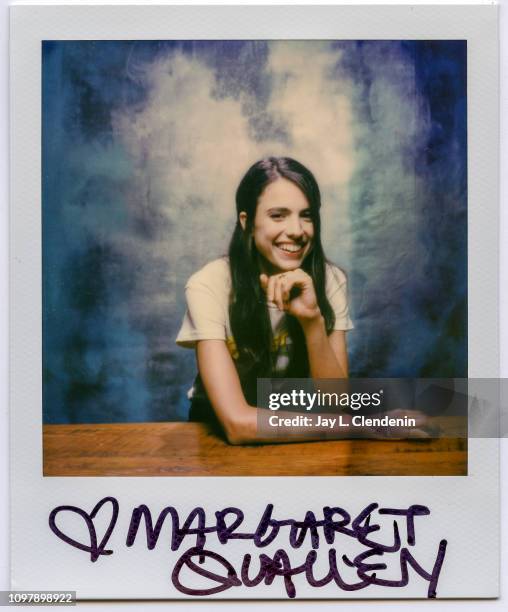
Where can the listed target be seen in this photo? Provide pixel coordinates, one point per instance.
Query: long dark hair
(250, 322)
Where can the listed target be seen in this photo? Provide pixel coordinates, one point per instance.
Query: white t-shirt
(207, 318)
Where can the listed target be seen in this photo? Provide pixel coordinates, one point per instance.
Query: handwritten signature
(226, 527)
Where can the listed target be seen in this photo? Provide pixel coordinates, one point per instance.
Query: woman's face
(283, 229)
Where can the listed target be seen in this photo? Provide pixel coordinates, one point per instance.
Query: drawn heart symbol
(94, 550)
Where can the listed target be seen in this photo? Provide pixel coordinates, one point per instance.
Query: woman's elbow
(242, 429)
(235, 438)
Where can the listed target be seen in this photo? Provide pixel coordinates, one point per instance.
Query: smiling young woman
(273, 308)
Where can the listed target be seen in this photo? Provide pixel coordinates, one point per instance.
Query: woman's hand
(292, 292)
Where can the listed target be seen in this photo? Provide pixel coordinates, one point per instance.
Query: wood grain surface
(194, 449)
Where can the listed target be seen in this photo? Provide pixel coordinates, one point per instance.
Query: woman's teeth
(290, 248)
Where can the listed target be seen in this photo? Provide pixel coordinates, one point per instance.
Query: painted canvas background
(144, 143)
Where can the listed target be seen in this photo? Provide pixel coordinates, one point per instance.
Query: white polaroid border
(464, 510)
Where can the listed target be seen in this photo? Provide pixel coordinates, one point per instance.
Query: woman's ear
(242, 217)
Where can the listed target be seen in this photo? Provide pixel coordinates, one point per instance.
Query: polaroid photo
(254, 302)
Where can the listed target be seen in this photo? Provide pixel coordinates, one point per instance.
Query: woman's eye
(276, 216)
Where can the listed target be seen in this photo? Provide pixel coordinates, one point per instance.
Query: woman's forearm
(251, 426)
(324, 361)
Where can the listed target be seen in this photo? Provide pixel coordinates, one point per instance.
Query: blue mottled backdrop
(143, 146)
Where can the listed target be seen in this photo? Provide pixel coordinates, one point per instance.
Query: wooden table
(193, 449)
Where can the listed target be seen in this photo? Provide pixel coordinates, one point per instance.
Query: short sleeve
(336, 292)
(207, 296)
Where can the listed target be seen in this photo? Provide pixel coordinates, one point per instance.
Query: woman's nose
(294, 227)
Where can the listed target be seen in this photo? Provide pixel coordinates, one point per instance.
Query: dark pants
(201, 411)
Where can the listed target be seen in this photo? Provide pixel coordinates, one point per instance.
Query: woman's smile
(290, 249)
